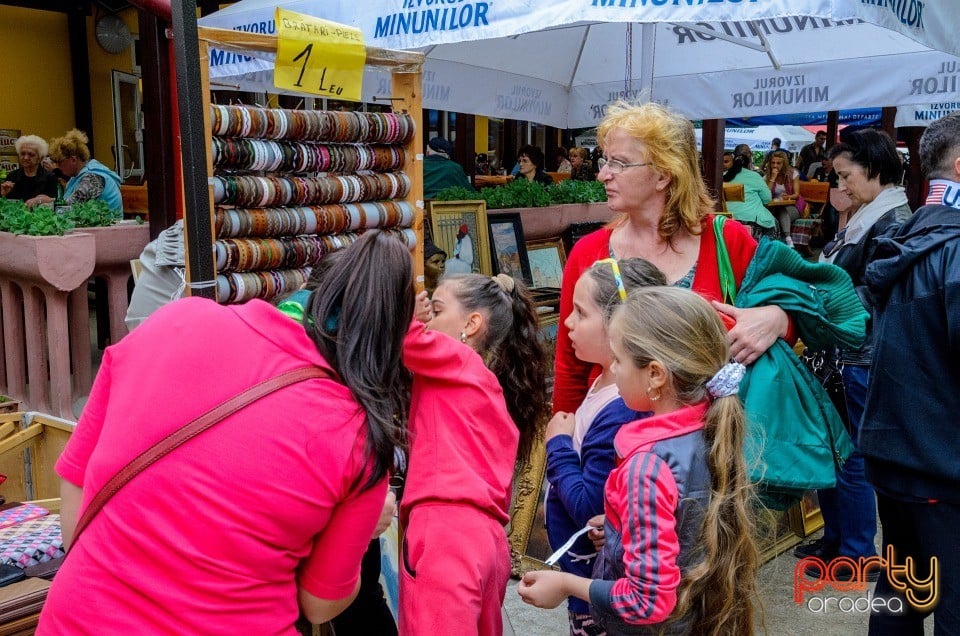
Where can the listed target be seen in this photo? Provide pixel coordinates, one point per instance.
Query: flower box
(550, 221)
(62, 262)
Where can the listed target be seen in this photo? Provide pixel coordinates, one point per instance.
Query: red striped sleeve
(647, 494)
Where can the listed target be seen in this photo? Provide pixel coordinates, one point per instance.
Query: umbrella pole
(648, 42)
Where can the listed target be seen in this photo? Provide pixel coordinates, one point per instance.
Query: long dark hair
(358, 315)
(509, 347)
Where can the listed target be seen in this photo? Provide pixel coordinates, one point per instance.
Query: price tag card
(319, 57)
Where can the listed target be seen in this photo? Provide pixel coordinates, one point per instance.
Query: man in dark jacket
(910, 435)
(440, 171)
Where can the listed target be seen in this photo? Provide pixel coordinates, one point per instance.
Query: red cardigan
(572, 375)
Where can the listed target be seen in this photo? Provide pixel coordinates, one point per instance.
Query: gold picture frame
(447, 219)
(810, 518)
(529, 546)
(547, 258)
(527, 513)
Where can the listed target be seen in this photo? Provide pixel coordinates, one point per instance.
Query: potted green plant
(545, 211)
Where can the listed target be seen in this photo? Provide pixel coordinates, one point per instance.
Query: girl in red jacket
(679, 555)
(479, 393)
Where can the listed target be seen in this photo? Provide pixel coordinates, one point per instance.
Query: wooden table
(780, 203)
(487, 180)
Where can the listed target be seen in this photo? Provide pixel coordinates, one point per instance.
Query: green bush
(17, 218)
(94, 213)
(456, 193)
(527, 194)
(571, 191)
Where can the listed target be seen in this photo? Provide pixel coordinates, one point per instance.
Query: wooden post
(193, 89)
(159, 124)
(80, 72)
(833, 126)
(466, 142)
(888, 119)
(406, 91)
(711, 151)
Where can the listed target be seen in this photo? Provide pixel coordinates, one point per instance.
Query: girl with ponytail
(679, 556)
(479, 396)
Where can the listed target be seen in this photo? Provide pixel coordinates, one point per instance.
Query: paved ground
(782, 616)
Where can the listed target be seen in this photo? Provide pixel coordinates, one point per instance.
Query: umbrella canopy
(560, 63)
(792, 138)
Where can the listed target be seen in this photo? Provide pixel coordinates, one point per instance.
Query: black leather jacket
(909, 430)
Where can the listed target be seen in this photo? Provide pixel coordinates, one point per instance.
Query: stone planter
(117, 245)
(45, 321)
(552, 220)
(62, 262)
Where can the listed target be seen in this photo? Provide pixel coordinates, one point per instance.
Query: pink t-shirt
(215, 537)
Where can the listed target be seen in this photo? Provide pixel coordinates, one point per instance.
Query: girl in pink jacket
(479, 393)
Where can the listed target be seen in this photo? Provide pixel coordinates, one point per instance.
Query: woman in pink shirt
(268, 512)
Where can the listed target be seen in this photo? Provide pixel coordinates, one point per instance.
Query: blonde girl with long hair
(679, 555)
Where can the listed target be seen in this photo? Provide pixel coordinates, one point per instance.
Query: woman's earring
(463, 337)
(653, 398)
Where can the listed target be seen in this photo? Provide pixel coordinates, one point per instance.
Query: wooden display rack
(406, 72)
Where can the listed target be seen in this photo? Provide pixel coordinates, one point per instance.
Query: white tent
(560, 63)
(792, 138)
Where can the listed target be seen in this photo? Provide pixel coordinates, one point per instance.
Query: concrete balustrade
(45, 342)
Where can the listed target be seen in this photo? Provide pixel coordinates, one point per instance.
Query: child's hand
(386, 515)
(423, 309)
(561, 423)
(597, 535)
(543, 588)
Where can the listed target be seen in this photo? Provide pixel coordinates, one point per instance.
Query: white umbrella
(924, 114)
(561, 62)
(792, 138)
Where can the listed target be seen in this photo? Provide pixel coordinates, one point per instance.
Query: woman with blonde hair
(784, 183)
(679, 555)
(30, 179)
(88, 178)
(653, 180)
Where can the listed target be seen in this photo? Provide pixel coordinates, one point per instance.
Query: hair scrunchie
(506, 283)
(726, 381)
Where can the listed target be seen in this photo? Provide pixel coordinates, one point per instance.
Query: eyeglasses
(615, 268)
(616, 166)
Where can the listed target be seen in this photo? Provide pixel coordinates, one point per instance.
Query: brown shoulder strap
(188, 432)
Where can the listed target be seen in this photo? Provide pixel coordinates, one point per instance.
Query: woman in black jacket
(868, 169)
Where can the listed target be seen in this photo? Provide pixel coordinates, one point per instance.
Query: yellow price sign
(318, 56)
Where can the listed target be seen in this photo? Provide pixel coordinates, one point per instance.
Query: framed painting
(547, 335)
(529, 547)
(811, 519)
(547, 258)
(460, 229)
(508, 253)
